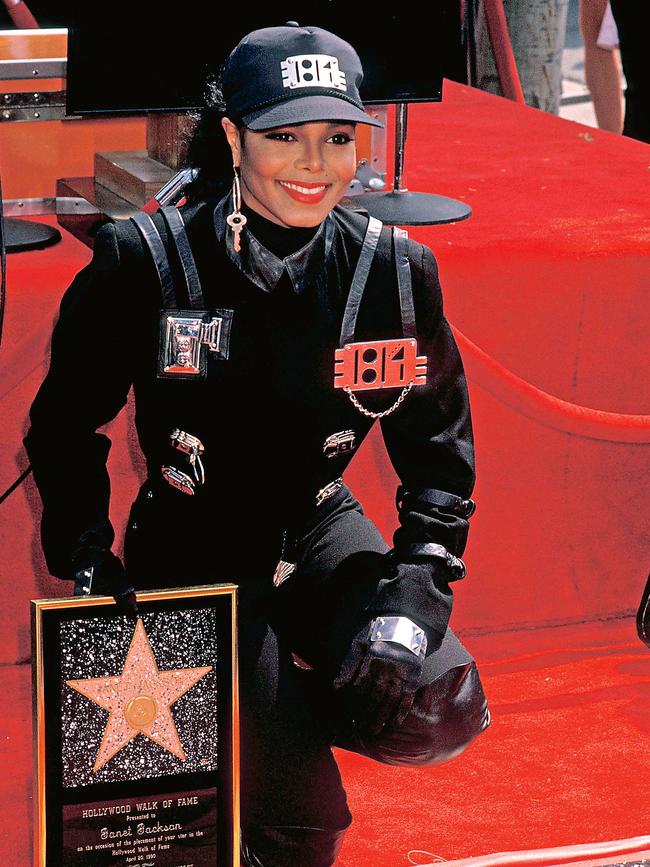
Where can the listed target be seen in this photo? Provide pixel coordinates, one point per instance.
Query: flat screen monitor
(138, 58)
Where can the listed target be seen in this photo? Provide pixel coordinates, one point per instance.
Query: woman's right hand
(98, 571)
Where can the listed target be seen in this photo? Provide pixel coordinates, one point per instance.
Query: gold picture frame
(136, 762)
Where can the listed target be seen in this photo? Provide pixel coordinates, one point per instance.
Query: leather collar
(264, 268)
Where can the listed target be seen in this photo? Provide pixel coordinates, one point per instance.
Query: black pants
(632, 21)
(294, 809)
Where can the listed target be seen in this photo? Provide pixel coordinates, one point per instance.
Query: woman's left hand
(380, 679)
(98, 571)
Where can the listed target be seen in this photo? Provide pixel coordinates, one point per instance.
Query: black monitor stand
(22, 235)
(400, 207)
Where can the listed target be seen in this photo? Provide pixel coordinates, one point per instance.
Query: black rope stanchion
(400, 206)
(21, 478)
(3, 295)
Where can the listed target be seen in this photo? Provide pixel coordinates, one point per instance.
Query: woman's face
(294, 175)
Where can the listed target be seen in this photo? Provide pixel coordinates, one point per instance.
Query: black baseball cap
(292, 74)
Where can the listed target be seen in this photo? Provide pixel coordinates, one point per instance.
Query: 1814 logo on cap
(312, 70)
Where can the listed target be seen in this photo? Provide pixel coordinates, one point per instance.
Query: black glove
(98, 571)
(379, 679)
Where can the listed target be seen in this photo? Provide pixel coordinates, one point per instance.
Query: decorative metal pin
(184, 333)
(379, 364)
(284, 567)
(84, 581)
(193, 448)
(282, 572)
(180, 481)
(327, 491)
(186, 442)
(338, 443)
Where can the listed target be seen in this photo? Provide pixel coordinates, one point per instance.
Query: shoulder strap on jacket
(404, 282)
(152, 239)
(176, 228)
(359, 280)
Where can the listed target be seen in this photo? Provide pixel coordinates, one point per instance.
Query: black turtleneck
(282, 241)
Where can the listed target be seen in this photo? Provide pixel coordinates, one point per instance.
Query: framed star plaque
(136, 731)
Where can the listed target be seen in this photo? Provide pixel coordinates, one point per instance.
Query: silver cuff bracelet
(432, 549)
(402, 631)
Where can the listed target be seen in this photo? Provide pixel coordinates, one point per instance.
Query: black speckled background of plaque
(172, 830)
(93, 647)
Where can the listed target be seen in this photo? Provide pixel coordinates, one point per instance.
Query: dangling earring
(236, 220)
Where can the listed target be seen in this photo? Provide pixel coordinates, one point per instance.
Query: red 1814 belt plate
(379, 364)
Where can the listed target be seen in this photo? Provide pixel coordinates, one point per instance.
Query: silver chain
(390, 409)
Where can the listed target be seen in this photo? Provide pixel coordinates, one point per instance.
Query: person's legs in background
(632, 20)
(602, 68)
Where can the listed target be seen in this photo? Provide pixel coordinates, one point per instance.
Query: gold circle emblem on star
(140, 711)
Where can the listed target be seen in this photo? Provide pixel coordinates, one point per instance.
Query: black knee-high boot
(290, 846)
(446, 716)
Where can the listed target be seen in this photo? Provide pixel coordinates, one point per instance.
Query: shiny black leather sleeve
(430, 444)
(86, 386)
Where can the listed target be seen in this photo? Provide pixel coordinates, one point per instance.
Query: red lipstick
(300, 196)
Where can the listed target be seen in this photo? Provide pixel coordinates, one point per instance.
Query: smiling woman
(261, 351)
(294, 175)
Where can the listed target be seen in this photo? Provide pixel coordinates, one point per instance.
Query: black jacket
(263, 414)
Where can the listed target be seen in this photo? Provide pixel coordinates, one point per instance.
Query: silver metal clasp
(338, 443)
(182, 346)
(400, 630)
(211, 334)
(186, 442)
(327, 491)
(83, 581)
(456, 566)
(191, 446)
(284, 568)
(180, 481)
(184, 333)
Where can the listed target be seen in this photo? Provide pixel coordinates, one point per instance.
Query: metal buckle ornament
(456, 566)
(338, 443)
(400, 630)
(379, 364)
(193, 448)
(327, 491)
(181, 481)
(184, 333)
(284, 567)
(186, 442)
(83, 581)
(282, 572)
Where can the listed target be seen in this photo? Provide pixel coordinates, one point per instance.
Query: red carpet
(564, 761)
(549, 277)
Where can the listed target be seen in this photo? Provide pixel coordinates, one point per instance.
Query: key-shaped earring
(236, 220)
(236, 223)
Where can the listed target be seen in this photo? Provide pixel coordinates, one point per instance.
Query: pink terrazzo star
(139, 700)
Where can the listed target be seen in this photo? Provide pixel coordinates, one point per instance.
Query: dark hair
(208, 149)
